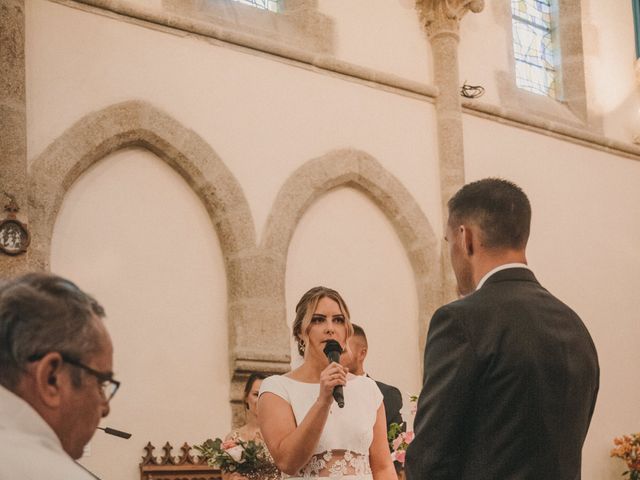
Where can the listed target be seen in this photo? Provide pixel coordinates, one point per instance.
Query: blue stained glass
(636, 21)
(271, 5)
(533, 46)
(537, 12)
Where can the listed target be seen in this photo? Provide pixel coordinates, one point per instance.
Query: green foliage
(395, 429)
(248, 458)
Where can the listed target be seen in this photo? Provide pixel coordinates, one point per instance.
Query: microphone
(87, 470)
(114, 432)
(332, 350)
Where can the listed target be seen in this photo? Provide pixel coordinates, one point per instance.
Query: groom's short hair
(499, 207)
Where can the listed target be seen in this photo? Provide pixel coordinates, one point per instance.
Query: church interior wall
(381, 35)
(583, 248)
(265, 116)
(227, 97)
(136, 236)
(611, 88)
(370, 268)
(612, 81)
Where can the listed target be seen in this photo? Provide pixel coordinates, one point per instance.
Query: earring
(301, 346)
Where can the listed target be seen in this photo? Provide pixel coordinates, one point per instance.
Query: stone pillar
(258, 335)
(13, 121)
(442, 21)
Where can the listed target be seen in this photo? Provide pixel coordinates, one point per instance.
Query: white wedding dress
(343, 449)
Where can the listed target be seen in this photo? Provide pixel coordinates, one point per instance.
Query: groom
(510, 372)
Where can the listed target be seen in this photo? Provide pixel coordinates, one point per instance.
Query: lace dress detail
(336, 464)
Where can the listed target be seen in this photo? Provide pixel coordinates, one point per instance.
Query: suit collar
(517, 273)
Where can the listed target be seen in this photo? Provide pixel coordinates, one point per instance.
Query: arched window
(535, 46)
(546, 61)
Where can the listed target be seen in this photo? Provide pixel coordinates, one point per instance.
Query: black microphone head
(114, 432)
(332, 350)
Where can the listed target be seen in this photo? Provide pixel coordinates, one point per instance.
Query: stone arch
(139, 124)
(361, 171)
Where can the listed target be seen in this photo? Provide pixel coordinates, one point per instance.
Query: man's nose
(105, 409)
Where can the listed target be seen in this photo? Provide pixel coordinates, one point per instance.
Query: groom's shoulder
(461, 304)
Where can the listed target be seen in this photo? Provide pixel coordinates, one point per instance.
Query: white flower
(236, 453)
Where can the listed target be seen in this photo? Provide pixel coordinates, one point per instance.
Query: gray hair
(42, 313)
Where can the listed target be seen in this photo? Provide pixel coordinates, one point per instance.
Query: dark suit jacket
(392, 399)
(510, 383)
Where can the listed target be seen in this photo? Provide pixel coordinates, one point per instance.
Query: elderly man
(510, 372)
(55, 376)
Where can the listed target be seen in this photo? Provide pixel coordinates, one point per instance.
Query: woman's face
(252, 397)
(327, 323)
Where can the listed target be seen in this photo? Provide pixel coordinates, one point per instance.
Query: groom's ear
(467, 238)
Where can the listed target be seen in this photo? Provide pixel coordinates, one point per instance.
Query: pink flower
(397, 442)
(236, 453)
(400, 454)
(408, 436)
(228, 444)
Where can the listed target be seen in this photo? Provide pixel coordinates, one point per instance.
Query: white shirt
(499, 268)
(29, 448)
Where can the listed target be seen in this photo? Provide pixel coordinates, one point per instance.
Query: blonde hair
(307, 306)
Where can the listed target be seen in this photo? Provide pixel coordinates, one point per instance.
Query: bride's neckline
(350, 376)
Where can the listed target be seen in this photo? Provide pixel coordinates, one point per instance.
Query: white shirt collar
(499, 268)
(16, 413)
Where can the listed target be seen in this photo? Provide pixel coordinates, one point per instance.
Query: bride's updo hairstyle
(307, 305)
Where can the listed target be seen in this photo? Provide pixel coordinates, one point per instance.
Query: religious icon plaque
(14, 235)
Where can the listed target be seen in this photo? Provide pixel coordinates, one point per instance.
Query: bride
(308, 435)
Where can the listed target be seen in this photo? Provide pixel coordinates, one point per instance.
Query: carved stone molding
(183, 467)
(443, 16)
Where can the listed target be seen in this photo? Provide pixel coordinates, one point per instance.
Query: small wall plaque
(14, 235)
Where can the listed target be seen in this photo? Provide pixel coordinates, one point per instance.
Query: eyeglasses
(108, 385)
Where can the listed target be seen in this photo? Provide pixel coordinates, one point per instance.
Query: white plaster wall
(610, 55)
(484, 49)
(133, 233)
(584, 248)
(384, 35)
(263, 117)
(344, 242)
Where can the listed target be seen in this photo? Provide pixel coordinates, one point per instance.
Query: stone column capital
(443, 16)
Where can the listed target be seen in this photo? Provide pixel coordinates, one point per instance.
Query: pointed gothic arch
(139, 124)
(359, 170)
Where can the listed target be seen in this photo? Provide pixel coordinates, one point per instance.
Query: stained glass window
(533, 46)
(272, 5)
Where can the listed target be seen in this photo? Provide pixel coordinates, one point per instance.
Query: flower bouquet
(398, 438)
(628, 449)
(399, 446)
(250, 459)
